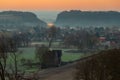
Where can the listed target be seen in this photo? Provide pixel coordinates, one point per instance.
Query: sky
(47, 10)
(56, 5)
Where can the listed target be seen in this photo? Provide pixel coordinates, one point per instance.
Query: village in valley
(59, 40)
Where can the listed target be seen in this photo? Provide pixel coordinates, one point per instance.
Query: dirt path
(65, 72)
(61, 73)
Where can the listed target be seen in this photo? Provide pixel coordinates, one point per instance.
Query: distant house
(101, 39)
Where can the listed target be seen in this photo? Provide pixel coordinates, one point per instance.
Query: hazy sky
(47, 10)
(60, 5)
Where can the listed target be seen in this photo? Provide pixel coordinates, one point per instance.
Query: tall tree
(51, 34)
(3, 56)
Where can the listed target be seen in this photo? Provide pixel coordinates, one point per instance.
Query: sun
(50, 25)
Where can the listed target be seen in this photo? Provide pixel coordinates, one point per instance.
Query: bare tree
(22, 39)
(40, 51)
(51, 34)
(3, 56)
(14, 54)
(102, 66)
(81, 39)
(8, 48)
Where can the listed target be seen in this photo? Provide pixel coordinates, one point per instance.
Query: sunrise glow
(60, 4)
(50, 25)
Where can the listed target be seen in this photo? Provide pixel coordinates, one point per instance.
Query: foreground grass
(28, 53)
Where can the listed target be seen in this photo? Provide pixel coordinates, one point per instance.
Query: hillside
(102, 66)
(17, 19)
(88, 18)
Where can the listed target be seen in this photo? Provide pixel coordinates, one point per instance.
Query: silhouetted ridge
(88, 18)
(17, 18)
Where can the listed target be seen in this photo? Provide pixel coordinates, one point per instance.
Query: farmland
(28, 53)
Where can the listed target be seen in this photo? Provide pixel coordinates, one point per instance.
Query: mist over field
(47, 16)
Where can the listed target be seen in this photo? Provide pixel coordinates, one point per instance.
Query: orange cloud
(60, 4)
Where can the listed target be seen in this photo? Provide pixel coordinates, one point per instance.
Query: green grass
(71, 57)
(54, 44)
(29, 54)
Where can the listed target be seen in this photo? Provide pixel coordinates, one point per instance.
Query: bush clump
(102, 66)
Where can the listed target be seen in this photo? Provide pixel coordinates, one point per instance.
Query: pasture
(28, 53)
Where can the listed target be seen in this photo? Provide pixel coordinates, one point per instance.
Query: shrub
(103, 66)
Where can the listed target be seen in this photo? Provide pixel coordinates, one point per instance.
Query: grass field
(28, 53)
